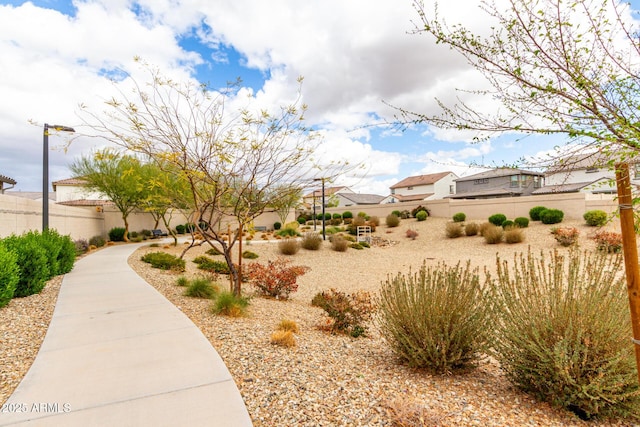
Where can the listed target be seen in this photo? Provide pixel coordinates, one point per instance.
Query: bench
(260, 228)
(158, 233)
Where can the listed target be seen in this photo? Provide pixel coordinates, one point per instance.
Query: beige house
(331, 197)
(423, 187)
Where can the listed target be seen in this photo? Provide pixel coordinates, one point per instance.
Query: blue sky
(354, 56)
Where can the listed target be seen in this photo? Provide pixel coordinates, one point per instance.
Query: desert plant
(392, 220)
(347, 215)
(182, 281)
(405, 214)
(484, 226)
(249, 255)
(288, 325)
(459, 217)
(348, 312)
(356, 245)
(213, 251)
(116, 234)
(471, 229)
(396, 213)
(454, 229)
(302, 220)
(436, 318)
(287, 232)
(521, 222)
(534, 212)
(201, 288)
(228, 304)
(32, 262)
(277, 225)
(97, 241)
(289, 246)
(283, 338)
(608, 241)
(311, 241)
(276, 279)
(493, 234)
(164, 261)
(497, 219)
(180, 229)
(596, 218)
(563, 331)
(513, 234)
(61, 251)
(566, 236)
(82, 246)
(508, 223)
(9, 275)
(212, 265)
(374, 221)
(417, 209)
(421, 215)
(411, 234)
(551, 216)
(339, 243)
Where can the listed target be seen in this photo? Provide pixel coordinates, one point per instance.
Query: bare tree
(231, 160)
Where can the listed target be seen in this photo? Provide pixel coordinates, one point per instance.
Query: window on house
(481, 181)
(515, 181)
(536, 182)
(409, 188)
(393, 191)
(451, 189)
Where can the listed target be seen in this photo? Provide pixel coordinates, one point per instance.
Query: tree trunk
(126, 229)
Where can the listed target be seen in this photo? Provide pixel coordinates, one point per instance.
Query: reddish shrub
(276, 279)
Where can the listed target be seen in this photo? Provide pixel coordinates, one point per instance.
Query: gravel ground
(333, 380)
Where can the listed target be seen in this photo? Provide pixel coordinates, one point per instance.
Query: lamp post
(45, 170)
(324, 234)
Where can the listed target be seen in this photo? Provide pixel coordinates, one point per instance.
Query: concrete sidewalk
(117, 353)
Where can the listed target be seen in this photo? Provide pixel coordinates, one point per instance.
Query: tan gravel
(333, 380)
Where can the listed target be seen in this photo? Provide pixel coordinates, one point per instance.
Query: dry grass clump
(227, 304)
(454, 229)
(492, 234)
(471, 229)
(392, 220)
(513, 234)
(311, 241)
(482, 227)
(289, 246)
(288, 325)
(283, 339)
(339, 243)
(408, 413)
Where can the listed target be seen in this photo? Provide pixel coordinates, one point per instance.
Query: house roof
(411, 197)
(69, 181)
(414, 181)
(86, 202)
(363, 199)
(585, 161)
(7, 180)
(498, 172)
(573, 187)
(328, 191)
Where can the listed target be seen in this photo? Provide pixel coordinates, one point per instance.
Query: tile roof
(86, 202)
(363, 199)
(498, 172)
(413, 181)
(411, 197)
(69, 181)
(328, 191)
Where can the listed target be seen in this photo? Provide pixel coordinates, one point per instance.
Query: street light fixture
(45, 170)
(324, 234)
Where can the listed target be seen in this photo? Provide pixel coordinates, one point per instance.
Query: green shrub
(513, 234)
(563, 331)
(348, 312)
(459, 217)
(336, 216)
(347, 215)
(213, 251)
(437, 318)
(521, 222)
(212, 265)
(289, 246)
(227, 304)
(493, 234)
(164, 261)
(182, 281)
(311, 241)
(392, 220)
(596, 218)
(454, 229)
(405, 214)
(471, 229)
(508, 223)
(415, 211)
(327, 216)
(534, 213)
(9, 275)
(497, 219)
(61, 252)
(396, 213)
(277, 225)
(339, 243)
(249, 255)
(287, 232)
(32, 262)
(97, 241)
(81, 245)
(302, 220)
(180, 229)
(201, 288)
(551, 216)
(363, 215)
(116, 234)
(421, 215)
(356, 246)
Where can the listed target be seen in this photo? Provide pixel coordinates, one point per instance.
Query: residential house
(499, 182)
(350, 199)
(331, 197)
(585, 173)
(423, 187)
(74, 189)
(4, 180)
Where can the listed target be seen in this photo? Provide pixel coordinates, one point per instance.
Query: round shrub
(32, 261)
(421, 215)
(180, 229)
(9, 275)
(513, 234)
(327, 216)
(392, 220)
(277, 225)
(497, 219)
(417, 209)
(534, 213)
(507, 223)
(164, 261)
(551, 216)
(595, 218)
(302, 220)
(336, 216)
(521, 222)
(339, 243)
(116, 234)
(374, 221)
(249, 255)
(471, 229)
(347, 215)
(454, 229)
(493, 234)
(459, 217)
(436, 319)
(289, 246)
(311, 241)
(201, 288)
(396, 213)
(97, 241)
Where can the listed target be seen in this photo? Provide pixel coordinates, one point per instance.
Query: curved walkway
(117, 353)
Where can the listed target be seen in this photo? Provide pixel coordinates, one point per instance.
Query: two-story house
(331, 197)
(499, 182)
(423, 187)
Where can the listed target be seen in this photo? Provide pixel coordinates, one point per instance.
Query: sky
(358, 58)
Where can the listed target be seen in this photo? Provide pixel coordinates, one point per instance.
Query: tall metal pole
(45, 178)
(630, 253)
(324, 234)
